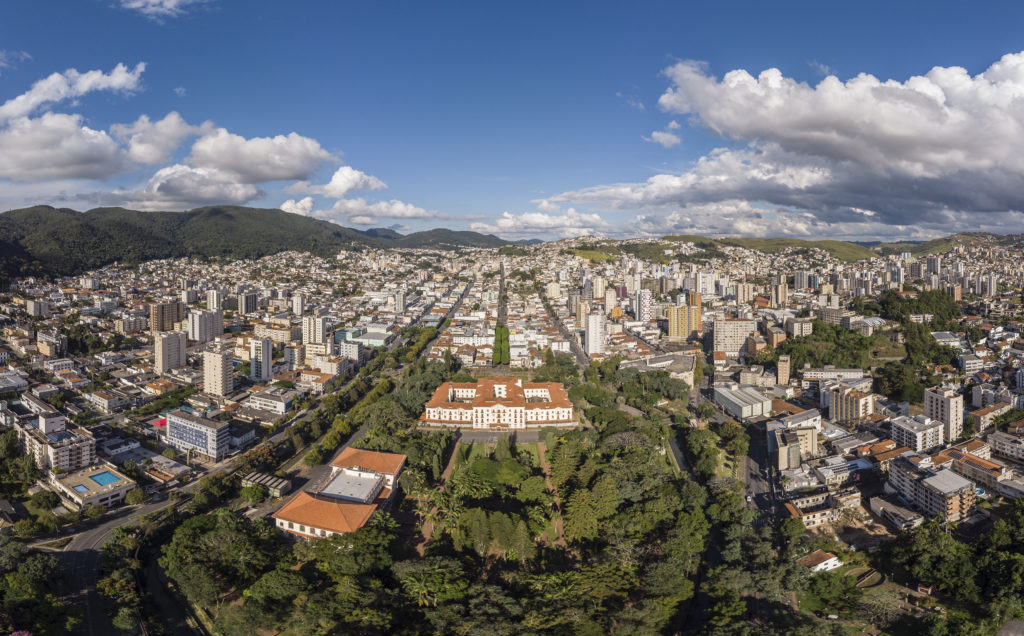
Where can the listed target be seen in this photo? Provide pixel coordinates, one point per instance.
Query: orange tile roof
(325, 513)
(378, 462)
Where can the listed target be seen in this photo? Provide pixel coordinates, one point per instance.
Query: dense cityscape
(511, 319)
(650, 436)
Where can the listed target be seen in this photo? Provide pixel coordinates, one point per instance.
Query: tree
(135, 496)
(95, 511)
(45, 500)
(255, 493)
(169, 453)
(581, 517)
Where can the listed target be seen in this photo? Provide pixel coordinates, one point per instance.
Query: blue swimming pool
(80, 489)
(105, 478)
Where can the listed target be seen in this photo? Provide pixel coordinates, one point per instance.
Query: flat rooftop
(352, 487)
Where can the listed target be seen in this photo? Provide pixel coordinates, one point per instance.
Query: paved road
(574, 345)
(80, 562)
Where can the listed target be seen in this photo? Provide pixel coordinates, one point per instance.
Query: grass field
(595, 256)
(532, 451)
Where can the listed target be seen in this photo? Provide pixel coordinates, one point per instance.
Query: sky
(857, 121)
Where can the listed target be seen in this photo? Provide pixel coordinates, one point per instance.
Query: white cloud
(260, 159)
(934, 151)
(179, 91)
(361, 209)
(158, 9)
(302, 207)
(11, 59)
(665, 139)
(70, 84)
(545, 205)
(570, 223)
(153, 142)
(179, 187)
(57, 146)
(344, 180)
(673, 125)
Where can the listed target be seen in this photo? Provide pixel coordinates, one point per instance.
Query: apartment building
(163, 316)
(946, 406)
(850, 406)
(684, 321)
(934, 492)
(261, 359)
(168, 351)
(729, 335)
(918, 433)
(218, 372)
(315, 329)
(204, 326)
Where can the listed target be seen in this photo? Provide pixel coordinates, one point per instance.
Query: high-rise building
(315, 329)
(599, 287)
(594, 335)
(780, 294)
(730, 335)
(400, 301)
(189, 432)
(218, 371)
(162, 316)
(801, 280)
(693, 298)
(684, 321)
(744, 293)
(643, 305)
(247, 303)
(214, 300)
(298, 304)
(169, 351)
(934, 265)
(204, 326)
(946, 406)
(783, 370)
(261, 359)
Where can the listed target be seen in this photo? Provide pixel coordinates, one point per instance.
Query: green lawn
(595, 256)
(532, 451)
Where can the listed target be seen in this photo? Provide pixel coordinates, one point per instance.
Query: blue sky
(529, 119)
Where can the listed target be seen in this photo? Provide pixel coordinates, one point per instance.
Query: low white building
(743, 402)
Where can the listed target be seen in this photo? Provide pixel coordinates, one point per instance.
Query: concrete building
(101, 484)
(163, 316)
(261, 359)
(850, 406)
(187, 431)
(934, 492)
(742, 402)
(684, 321)
(204, 326)
(218, 372)
(315, 329)
(729, 335)
(594, 335)
(783, 370)
(946, 406)
(298, 304)
(643, 305)
(247, 303)
(918, 433)
(214, 300)
(168, 351)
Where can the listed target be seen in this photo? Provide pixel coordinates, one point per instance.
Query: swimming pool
(80, 489)
(105, 478)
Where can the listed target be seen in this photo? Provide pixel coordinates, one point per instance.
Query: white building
(261, 359)
(169, 351)
(594, 335)
(918, 433)
(204, 326)
(946, 406)
(218, 372)
(189, 432)
(315, 329)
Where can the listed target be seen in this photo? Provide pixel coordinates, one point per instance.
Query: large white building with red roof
(499, 403)
(361, 483)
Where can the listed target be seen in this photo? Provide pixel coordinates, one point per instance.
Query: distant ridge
(44, 240)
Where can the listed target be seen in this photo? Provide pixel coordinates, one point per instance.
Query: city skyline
(531, 122)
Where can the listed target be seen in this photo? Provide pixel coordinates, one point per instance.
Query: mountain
(43, 240)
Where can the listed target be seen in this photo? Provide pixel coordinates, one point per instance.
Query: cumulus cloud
(260, 159)
(933, 149)
(359, 208)
(153, 142)
(302, 207)
(57, 146)
(180, 187)
(568, 224)
(344, 180)
(664, 139)
(159, 9)
(70, 84)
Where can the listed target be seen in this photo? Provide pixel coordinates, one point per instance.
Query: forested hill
(48, 241)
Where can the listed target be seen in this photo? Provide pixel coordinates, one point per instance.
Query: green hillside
(841, 250)
(48, 241)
